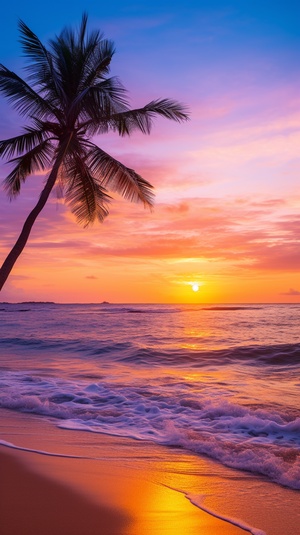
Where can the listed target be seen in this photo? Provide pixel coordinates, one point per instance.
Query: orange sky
(227, 194)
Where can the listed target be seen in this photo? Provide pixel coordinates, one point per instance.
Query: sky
(227, 208)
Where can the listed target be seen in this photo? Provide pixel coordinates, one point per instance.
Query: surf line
(41, 452)
(198, 499)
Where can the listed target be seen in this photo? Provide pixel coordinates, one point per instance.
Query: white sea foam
(258, 440)
(39, 452)
(199, 502)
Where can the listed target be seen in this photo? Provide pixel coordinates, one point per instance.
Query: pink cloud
(291, 292)
(210, 229)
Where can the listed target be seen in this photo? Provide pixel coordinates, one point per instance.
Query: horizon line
(214, 303)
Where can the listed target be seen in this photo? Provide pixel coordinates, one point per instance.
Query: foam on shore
(199, 502)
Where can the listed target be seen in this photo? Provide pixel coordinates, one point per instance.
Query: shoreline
(127, 487)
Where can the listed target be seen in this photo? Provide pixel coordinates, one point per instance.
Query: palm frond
(98, 103)
(62, 57)
(142, 119)
(53, 128)
(38, 158)
(97, 59)
(96, 54)
(89, 128)
(128, 121)
(41, 70)
(84, 194)
(82, 30)
(32, 46)
(115, 176)
(23, 143)
(170, 109)
(113, 90)
(22, 96)
(70, 51)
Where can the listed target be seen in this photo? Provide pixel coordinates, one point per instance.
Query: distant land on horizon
(49, 303)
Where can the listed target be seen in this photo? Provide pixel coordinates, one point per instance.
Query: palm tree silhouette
(69, 98)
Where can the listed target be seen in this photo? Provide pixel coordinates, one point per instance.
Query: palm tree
(69, 98)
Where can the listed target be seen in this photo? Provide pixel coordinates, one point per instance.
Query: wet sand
(124, 487)
(33, 504)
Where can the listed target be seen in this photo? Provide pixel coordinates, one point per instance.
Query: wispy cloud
(291, 292)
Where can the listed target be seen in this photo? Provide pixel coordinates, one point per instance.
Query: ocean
(217, 380)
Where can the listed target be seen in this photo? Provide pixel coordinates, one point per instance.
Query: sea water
(219, 380)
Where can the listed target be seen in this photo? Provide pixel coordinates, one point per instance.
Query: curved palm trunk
(17, 249)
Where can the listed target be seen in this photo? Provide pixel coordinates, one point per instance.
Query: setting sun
(195, 287)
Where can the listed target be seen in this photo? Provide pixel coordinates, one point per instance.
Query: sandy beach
(42, 494)
(31, 503)
(124, 487)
